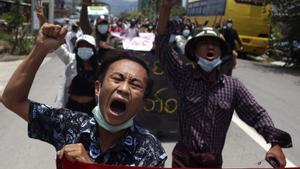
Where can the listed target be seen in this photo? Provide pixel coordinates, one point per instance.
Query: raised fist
(51, 36)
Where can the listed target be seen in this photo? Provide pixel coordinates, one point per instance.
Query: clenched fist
(74, 153)
(51, 36)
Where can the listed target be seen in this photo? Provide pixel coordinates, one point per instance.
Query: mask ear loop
(98, 97)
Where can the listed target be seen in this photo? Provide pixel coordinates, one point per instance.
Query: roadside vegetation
(285, 37)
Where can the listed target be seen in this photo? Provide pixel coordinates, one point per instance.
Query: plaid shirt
(205, 110)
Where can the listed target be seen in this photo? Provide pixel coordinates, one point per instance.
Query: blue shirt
(60, 127)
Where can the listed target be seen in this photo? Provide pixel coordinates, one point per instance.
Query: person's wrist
(275, 145)
(41, 48)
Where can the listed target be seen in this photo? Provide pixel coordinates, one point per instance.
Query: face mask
(111, 128)
(208, 66)
(102, 28)
(172, 38)
(114, 25)
(85, 53)
(186, 33)
(229, 25)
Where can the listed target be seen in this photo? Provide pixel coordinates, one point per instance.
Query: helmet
(88, 38)
(205, 32)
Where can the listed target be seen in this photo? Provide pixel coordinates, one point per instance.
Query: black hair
(118, 54)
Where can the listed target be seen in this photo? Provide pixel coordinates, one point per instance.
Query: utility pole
(35, 24)
(51, 11)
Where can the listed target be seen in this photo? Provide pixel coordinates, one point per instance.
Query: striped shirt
(205, 110)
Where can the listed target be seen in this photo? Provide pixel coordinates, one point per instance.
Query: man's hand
(276, 152)
(103, 45)
(51, 36)
(40, 10)
(87, 2)
(74, 153)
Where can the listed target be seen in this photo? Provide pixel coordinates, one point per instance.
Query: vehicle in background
(95, 12)
(74, 17)
(250, 18)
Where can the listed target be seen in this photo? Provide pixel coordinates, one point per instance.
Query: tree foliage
(285, 39)
(16, 28)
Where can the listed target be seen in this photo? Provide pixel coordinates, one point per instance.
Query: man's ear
(98, 85)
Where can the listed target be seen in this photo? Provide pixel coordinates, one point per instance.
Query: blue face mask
(111, 128)
(207, 65)
(102, 28)
(85, 53)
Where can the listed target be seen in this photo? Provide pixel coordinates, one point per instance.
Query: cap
(75, 25)
(101, 19)
(88, 38)
(205, 32)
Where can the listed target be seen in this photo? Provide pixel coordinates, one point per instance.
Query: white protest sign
(144, 42)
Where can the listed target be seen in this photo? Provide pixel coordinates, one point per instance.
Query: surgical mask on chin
(102, 28)
(207, 65)
(104, 124)
(85, 53)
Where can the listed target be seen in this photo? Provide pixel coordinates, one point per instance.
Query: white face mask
(186, 33)
(102, 28)
(85, 53)
(229, 25)
(114, 25)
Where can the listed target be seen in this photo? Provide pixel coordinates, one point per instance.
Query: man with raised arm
(207, 99)
(111, 135)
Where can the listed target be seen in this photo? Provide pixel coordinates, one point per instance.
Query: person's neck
(108, 139)
(210, 76)
(87, 65)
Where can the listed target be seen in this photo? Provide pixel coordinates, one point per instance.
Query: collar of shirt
(197, 74)
(127, 142)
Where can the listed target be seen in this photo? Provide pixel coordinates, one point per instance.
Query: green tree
(15, 20)
(178, 10)
(285, 39)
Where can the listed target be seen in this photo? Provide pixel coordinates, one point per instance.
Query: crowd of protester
(105, 87)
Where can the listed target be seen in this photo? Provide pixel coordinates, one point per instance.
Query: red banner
(65, 164)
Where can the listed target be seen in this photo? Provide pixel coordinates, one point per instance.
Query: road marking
(256, 137)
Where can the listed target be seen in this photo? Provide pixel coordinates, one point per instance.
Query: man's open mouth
(210, 56)
(118, 106)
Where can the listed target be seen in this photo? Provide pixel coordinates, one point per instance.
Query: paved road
(277, 90)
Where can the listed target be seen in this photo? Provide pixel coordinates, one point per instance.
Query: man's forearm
(84, 20)
(164, 14)
(15, 95)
